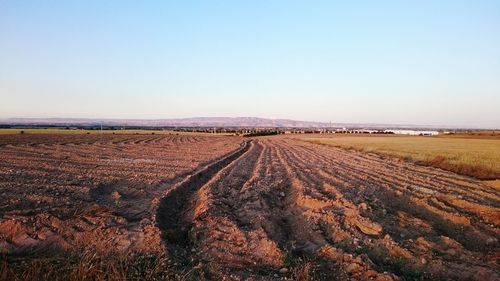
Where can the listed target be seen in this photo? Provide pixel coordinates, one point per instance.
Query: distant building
(414, 132)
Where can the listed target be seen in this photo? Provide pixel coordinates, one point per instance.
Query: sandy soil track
(349, 215)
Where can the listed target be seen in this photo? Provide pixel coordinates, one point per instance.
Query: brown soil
(62, 194)
(265, 209)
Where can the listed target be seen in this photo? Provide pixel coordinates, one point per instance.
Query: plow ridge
(268, 208)
(169, 213)
(280, 202)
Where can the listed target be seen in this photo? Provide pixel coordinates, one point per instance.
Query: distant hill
(180, 122)
(241, 122)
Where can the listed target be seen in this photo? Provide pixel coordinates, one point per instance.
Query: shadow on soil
(169, 214)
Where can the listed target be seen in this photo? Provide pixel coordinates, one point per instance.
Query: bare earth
(229, 208)
(76, 191)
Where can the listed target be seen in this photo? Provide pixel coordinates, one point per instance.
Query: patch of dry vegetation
(479, 158)
(473, 135)
(87, 265)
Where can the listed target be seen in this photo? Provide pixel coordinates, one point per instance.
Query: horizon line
(323, 123)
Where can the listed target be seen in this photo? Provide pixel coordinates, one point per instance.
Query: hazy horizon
(417, 62)
(123, 122)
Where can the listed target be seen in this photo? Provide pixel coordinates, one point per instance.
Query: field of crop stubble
(132, 207)
(471, 155)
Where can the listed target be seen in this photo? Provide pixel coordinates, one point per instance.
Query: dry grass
(86, 266)
(473, 135)
(479, 158)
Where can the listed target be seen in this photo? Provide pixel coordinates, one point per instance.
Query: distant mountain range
(250, 122)
(180, 122)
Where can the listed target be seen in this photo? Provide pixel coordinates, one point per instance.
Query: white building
(414, 132)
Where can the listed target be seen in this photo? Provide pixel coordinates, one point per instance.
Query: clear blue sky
(418, 62)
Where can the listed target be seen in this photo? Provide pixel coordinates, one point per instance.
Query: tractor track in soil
(169, 216)
(228, 209)
(279, 202)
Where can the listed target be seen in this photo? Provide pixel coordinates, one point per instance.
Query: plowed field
(271, 208)
(74, 191)
(346, 214)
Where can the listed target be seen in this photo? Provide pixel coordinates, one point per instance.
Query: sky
(395, 62)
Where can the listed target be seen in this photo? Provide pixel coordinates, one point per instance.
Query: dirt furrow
(416, 175)
(436, 204)
(485, 235)
(274, 208)
(171, 209)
